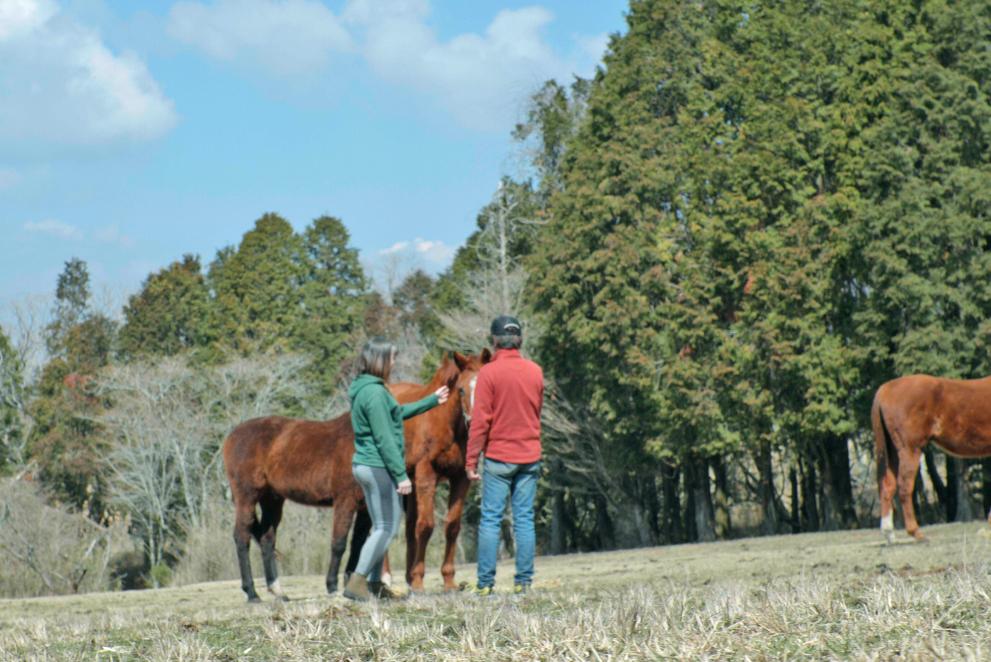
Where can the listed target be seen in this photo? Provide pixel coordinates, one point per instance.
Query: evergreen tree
(333, 300)
(11, 403)
(170, 314)
(71, 303)
(257, 288)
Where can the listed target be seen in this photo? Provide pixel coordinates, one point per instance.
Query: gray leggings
(383, 507)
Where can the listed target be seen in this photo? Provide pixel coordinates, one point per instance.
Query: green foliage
(281, 291)
(11, 402)
(767, 211)
(333, 301)
(71, 303)
(170, 314)
(257, 288)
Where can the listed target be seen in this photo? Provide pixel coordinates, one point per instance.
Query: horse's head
(464, 384)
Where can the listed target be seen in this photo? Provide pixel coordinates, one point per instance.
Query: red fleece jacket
(505, 417)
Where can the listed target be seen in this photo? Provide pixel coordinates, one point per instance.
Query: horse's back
(953, 413)
(310, 461)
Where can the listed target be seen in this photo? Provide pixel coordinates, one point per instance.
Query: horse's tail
(883, 451)
(881, 438)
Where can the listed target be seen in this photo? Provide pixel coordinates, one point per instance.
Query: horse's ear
(486, 356)
(461, 360)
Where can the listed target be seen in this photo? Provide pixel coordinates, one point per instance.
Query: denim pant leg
(524, 489)
(496, 481)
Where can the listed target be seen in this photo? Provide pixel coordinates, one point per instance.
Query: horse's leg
(362, 527)
(426, 487)
(452, 527)
(271, 516)
(343, 515)
(411, 514)
(908, 467)
(386, 570)
(244, 528)
(886, 460)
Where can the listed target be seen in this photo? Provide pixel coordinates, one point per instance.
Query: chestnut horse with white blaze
(908, 413)
(436, 442)
(271, 459)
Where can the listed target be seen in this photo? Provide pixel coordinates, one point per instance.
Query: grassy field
(839, 595)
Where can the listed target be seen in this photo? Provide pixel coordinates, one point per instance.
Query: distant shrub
(49, 550)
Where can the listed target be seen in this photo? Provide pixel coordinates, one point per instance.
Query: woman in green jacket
(379, 463)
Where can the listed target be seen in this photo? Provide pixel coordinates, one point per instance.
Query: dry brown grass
(836, 595)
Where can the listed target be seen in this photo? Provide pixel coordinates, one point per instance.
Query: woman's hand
(443, 393)
(404, 487)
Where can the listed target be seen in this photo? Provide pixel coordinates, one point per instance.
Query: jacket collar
(506, 354)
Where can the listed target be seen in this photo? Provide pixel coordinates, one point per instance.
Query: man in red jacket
(505, 426)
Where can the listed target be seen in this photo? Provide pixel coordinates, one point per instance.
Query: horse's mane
(447, 374)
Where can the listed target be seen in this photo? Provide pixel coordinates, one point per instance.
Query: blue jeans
(501, 480)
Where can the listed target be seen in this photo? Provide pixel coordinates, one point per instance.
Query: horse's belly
(970, 449)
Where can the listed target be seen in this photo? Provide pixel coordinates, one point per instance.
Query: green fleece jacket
(377, 420)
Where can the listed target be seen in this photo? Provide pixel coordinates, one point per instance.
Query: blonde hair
(376, 358)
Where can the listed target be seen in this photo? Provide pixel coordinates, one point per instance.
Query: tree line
(720, 245)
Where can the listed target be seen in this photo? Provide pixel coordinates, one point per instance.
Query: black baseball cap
(505, 325)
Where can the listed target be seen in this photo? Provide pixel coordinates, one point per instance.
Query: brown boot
(382, 591)
(357, 588)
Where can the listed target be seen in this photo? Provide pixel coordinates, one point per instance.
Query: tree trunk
(965, 511)
(810, 508)
(721, 499)
(942, 494)
(796, 518)
(840, 486)
(701, 500)
(603, 524)
(986, 485)
(558, 512)
(952, 489)
(671, 504)
(769, 523)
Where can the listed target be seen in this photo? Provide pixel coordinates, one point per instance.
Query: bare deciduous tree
(169, 420)
(68, 554)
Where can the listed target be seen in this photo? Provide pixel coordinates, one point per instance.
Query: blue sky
(134, 132)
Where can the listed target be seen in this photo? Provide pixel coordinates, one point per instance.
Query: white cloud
(284, 37)
(483, 79)
(21, 16)
(397, 247)
(61, 86)
(434, 252)
(54, 228)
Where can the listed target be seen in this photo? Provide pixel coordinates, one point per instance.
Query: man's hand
(442, 394)
(473, 475)
(404, 487)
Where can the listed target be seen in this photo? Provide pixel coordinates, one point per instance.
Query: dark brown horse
(908, 413)
(435, 451)
(271, 459)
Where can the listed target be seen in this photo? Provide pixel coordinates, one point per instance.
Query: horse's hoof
(282, 598)
(252, 599)
(919, 537)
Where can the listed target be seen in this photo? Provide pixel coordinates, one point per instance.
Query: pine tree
(332, 297)
(257, 288)
(170, 314)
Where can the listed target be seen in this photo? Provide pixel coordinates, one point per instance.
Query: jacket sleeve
(481, 420)
(390, 445)
(420, 406)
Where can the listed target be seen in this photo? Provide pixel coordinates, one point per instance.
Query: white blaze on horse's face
(472, 383)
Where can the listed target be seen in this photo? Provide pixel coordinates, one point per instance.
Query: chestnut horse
(910, 412)
(435, 451)
(271, 459)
